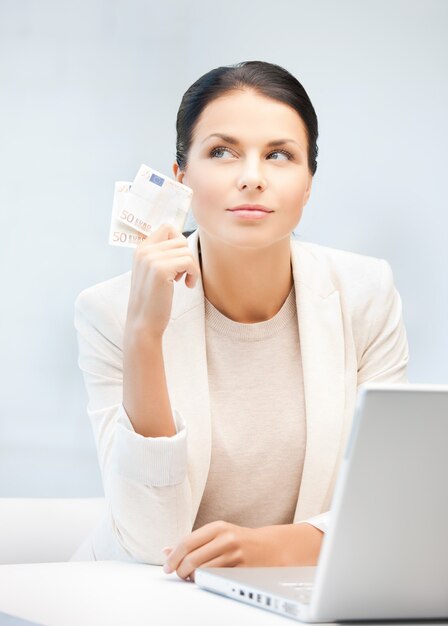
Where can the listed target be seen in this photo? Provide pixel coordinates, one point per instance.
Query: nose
(251, 176)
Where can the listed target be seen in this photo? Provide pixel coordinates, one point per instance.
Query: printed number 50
(125, 215)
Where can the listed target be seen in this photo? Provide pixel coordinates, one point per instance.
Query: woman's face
(247, 149)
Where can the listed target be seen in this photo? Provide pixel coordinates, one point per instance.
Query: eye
(285, 153)
(217, 152)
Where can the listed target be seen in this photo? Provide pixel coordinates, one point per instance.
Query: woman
(222, 372)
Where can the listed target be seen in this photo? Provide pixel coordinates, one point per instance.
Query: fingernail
(167, 569)
(167, 549)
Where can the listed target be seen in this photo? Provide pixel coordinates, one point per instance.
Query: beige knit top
(258, 419)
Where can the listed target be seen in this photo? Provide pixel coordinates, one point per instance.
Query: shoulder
(340, 262)
(341, 270)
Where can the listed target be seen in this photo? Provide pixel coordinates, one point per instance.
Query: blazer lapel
(322, 349)
(187, 379)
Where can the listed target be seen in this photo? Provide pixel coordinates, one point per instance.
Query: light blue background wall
(90, 89)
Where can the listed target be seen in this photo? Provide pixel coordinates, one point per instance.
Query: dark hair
(266, 79)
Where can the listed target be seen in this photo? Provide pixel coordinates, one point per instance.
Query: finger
(173, 266)
(192, 542)
(191, 279)
(168, 253)
(226, 560)
(166, 244)
(218, 548)
(221, 561)
(230, 559)
(164, 232)
(149, 255)
(153, 255)
(163, 269)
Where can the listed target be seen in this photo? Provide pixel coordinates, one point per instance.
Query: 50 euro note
(120, 234)
(142, 206)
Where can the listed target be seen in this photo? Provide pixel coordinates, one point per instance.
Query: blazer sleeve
(385, 355)
(145, 479)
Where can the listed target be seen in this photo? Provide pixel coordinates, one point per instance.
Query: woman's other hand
(221, 544)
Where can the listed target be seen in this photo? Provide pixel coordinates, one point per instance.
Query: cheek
(208, 191)
(204, 198)
(291, 193)
(300, 188)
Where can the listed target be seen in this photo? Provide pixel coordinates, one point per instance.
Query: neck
(246, 285)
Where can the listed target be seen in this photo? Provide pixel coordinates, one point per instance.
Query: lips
(251, 207)
(250, 212)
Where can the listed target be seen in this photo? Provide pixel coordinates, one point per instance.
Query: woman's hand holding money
(164, 257)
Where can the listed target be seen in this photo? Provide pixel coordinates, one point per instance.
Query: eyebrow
(235, 142)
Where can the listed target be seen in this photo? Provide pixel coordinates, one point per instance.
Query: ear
(178, 173)
(308, 188)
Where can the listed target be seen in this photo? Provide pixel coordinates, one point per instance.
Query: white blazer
(351, 331)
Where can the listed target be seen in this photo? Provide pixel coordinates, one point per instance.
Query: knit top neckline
(251, 332)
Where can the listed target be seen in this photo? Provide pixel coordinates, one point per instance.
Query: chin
(248, 238)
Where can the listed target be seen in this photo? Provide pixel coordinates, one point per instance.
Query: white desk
(111, 593)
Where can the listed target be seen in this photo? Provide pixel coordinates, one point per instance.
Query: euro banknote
(141, 206)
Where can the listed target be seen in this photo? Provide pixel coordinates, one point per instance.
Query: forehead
(246, 114)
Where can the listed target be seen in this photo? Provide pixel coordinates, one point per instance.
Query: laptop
(385, 555)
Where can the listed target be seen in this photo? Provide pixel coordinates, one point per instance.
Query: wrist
(138, 335)
(293, 544)
(307, 541)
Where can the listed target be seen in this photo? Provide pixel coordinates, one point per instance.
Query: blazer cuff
(321, 521)
(153, 461)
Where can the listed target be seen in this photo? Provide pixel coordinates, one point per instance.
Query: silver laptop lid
(386, 554)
